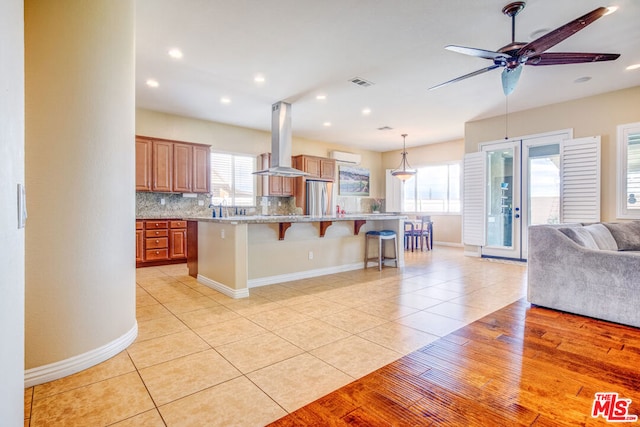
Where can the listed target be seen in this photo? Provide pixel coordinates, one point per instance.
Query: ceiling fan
(516, 54)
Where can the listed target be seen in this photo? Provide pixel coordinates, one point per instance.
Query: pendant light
(403, 172)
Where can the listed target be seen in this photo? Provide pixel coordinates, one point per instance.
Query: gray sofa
(591, 270)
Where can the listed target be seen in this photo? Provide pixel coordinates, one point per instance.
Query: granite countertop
(270, 219)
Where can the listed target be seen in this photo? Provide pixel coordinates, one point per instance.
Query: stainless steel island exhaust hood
(281, 143)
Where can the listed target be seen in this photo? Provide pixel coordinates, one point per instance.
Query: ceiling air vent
(361, 82)
(385, 128)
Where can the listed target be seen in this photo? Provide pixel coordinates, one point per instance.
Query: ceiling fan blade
(466, 76)
(559, 58)
(479, 53)
(554, 37)
(510, 77)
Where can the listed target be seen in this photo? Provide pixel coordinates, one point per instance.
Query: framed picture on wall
(353, 181)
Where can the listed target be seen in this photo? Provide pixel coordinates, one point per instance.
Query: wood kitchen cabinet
(182, 168)
(201, 168)
(139, 241)
(166, 166)
(162, 167)
(317, 167)
(143, 164)
(177, 239)
(273, 185)
(160, 241)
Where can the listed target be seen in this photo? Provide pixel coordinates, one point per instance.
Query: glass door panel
(503, 200)
(544, 185)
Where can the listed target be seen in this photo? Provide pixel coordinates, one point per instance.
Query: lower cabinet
(159, 242)
(139, 241)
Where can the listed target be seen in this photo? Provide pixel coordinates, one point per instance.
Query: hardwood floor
(519, 366)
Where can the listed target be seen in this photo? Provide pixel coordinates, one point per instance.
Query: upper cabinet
(201, 168)
(273, 185)
(172, 166)
(143, 164)
(162, 167)
(182, 168)
(317, 167)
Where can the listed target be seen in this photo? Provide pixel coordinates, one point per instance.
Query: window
(435, 189)
(628, 193)
(232, 182)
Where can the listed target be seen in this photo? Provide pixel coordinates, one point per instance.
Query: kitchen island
(237, 253)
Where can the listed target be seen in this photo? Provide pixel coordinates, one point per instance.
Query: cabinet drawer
(156, 254)
(139, 225)
(156, 233)
(178, 224)
(160, 242)
(156, 224)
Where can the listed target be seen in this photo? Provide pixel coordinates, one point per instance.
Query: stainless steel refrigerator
(320, 198)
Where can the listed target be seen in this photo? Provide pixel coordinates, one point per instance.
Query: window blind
(232, 181)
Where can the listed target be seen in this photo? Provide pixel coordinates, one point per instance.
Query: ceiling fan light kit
(513, 56)
(403, 172)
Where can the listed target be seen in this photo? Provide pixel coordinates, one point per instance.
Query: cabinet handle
(157, 224)
(157, 232)
(157, 240)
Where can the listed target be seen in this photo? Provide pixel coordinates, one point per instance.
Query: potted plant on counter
(375, 206)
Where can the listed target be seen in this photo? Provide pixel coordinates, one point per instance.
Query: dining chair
(409, 239)
(422, 232)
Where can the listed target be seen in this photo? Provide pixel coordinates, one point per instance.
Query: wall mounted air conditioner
(342, 157)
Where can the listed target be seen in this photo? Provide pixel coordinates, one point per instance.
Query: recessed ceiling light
(175, 53)
(366, 111)
(259, 78)
(326, 124)
(321, 97)
(152, 83)
(633, 67)
(582, 79)
(225, 100)
(610, 10)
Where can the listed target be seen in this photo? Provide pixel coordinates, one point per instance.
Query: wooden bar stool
(380, 236)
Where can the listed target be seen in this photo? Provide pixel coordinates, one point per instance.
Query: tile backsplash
(149, 205)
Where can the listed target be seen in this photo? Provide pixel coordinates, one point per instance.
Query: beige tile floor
(202, 358)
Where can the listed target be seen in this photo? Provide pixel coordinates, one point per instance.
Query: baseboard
(270, 280)
(451, 244)
(223, 289)
(72, 365)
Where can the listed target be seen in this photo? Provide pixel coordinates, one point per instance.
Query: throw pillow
(580, 236)
(602, 236)
(626, 234)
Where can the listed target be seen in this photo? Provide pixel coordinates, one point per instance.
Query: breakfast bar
(237, 253)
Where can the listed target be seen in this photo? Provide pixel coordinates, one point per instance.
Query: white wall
(11, 238)
(80, 116)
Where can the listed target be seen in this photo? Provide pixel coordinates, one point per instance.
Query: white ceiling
(304, 48)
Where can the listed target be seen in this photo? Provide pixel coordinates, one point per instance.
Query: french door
(523, 187)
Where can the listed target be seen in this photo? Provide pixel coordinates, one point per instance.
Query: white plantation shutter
(473, 205)
(393, 193)
(580, 180)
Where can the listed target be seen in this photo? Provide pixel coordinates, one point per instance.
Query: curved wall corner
(80, 174)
